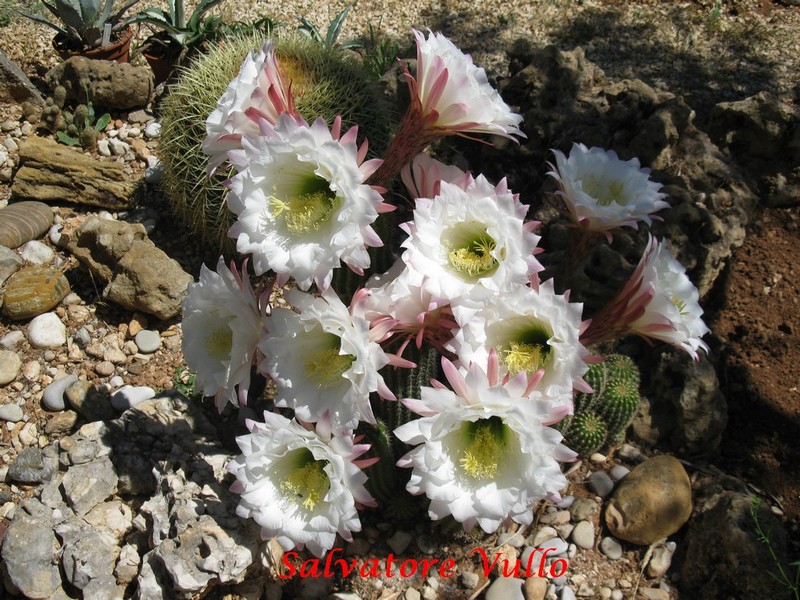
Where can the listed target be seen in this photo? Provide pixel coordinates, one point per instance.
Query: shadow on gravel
(705, 68)
(730, 69)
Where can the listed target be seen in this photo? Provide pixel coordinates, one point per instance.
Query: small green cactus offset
(615, 382)
(587, 432)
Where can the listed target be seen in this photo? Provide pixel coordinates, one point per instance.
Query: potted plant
(163, 49)
(89, 28)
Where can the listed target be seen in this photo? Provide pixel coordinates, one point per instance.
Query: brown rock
(139, 276)
(33, 290)
(107, 84)
(52, 172)
(652, 502)
(14, 84)
(61, 422)
(22, 222)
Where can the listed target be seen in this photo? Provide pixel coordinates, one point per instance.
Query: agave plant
(84, 23)
(174, 24)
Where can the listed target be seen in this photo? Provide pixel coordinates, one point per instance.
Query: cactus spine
(613, 405)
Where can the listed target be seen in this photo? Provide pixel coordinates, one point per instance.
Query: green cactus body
(80, 116)
(324, 81)
(613, 403)
(619, 403)
(587, 433)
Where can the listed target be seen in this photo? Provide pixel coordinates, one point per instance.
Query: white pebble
(37, 253)
(11, 413)
(11, 144)
(47, 331)
(10, 340)
(153, 130)
(116, 381)
(118, 147)
(611, 548)
(55, 233)
(147, 341)
(583, 535)
(129, 396)
(103, 148)
(134, 132)
(10, 364)
(3, 157)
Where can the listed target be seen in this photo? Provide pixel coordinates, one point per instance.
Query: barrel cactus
(325, 82)
(615, 382)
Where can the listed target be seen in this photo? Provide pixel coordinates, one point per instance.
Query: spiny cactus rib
(325, 82)
(609, 409)
(587, 433)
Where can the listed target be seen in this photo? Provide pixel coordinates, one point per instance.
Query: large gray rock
(724, 558)
(763, 135)
(15, 87)
(30, 551)
(201, 553)
(108, 84)
(138, 275)
(87, 553)
(87, 485)
(682, 405)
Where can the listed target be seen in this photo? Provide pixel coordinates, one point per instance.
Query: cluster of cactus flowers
(444, 354)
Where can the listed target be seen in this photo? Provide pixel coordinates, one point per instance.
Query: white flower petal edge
(673, 315)
(222, 325)
(423, 176)
(603, 192)
(480, 457)
(471, 243)
(301, 486)
(322, 360)
(301, 203)
(454, 94)
(257, 92)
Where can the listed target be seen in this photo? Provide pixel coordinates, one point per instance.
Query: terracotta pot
(162, 58)
(118, 51)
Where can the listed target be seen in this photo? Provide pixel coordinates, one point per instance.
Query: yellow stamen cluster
(307, 485)
(482, 455)
(326, 367)
(474, 258)
(218, 343)
(605, 192)
(305, 213)
(520, 357)
(679, 304)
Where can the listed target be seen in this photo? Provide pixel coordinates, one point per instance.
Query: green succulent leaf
(67, 139)
(102, 122)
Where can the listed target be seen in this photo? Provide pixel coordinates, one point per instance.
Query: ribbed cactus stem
(609, 409)
(587, 433)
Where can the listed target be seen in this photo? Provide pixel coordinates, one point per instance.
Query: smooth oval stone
(652, 502)
(24, 221)
(11, 412)
(33, 290)
(53, 396)
(47, 331)
(10, 364)
(147, 341)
